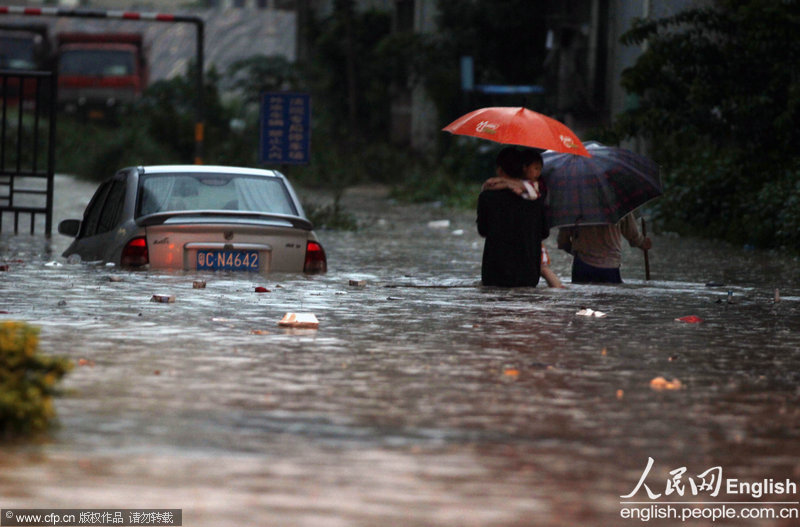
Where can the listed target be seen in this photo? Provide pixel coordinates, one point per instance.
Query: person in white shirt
(597, 249)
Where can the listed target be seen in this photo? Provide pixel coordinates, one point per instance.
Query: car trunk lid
(236, 244)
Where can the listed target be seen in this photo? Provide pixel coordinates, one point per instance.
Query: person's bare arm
(499, 183)
(551, 278)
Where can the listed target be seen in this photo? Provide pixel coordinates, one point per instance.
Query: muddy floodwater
(423, 399)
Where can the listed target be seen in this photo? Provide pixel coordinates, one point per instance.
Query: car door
(97, 237)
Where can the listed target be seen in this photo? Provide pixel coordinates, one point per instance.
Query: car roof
(207, 169)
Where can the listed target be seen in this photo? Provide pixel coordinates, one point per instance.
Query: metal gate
(27, 149)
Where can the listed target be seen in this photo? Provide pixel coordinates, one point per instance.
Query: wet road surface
(423, 398)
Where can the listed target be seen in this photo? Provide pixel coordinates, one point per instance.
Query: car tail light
(315, 259)
(135, 253)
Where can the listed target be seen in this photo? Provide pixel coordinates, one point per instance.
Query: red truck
(99, 72)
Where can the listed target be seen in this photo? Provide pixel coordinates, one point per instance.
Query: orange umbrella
(518, 126)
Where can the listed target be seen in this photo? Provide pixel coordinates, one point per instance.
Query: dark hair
(510, 160)
(531, 156)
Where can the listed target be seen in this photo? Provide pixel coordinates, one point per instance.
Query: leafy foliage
(158, 129)
(27, 381)
(350, 40)
(168, 110)
(262, 73)
(719, 96)
(331, 216)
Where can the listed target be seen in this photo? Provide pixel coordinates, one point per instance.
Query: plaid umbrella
(600, 189)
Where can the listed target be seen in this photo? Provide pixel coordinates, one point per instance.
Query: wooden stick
(646, 256)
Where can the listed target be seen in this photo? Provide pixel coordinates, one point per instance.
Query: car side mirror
(69, 227)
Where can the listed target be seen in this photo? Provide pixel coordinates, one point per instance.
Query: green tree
(169, 107)
(261, 73)
(345, 76)
(719, 99)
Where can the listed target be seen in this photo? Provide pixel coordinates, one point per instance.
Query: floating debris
(439, 224)
(586, 312)
(163, 299)
(661, 384)
(299, 320)
(358, 283)
(199, 284)
(115, 278)
(259, 332)
(690, 319)
(260, 289)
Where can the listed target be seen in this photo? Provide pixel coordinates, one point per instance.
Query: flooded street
(423, 399)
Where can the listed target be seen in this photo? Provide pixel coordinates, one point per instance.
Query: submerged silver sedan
(197, 217)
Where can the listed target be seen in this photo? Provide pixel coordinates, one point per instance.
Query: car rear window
(187, 192)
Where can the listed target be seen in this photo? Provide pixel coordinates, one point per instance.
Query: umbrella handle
(646, 256)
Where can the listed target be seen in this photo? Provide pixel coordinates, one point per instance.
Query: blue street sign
(285, 128)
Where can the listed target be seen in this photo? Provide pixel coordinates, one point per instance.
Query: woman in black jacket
(513, 227)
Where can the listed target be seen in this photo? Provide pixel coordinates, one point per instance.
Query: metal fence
(27, 149)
